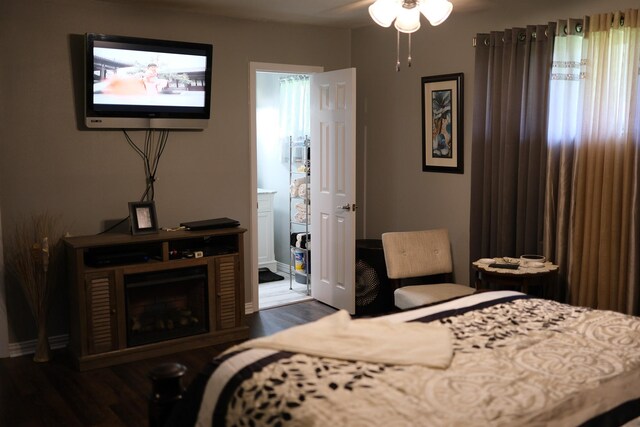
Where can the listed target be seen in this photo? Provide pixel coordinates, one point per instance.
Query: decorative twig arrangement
(33, 261)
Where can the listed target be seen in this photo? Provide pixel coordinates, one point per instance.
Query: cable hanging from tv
(151, 152)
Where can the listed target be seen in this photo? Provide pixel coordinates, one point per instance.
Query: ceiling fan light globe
(436, 11)
(408, 20)
(383, 12)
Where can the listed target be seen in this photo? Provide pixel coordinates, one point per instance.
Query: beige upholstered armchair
(420, 264)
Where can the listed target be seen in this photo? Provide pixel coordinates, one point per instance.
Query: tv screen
(137, 83)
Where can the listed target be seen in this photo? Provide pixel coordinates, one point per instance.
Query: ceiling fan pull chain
(398, 52)
(409, 57)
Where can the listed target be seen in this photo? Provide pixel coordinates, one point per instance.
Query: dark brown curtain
(509, 153)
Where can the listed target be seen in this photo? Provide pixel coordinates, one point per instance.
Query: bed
(516, 360)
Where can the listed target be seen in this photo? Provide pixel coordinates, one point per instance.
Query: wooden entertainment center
(133, 297)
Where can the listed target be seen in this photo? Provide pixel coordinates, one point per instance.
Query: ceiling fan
(405, 14)
(383, 12)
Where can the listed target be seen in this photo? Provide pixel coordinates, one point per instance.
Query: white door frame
(255, 67)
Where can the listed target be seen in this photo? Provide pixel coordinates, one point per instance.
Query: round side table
(536, 280)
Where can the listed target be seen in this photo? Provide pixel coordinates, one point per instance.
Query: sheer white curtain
(592, 193)
(294, 107)
(564, 90)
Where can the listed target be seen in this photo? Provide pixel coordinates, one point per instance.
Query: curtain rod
(521, 36)
(578, 26)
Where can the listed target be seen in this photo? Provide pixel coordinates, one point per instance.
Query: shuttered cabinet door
(101, 312)
(227, 284)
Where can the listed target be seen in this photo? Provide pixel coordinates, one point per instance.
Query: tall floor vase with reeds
(33, 258)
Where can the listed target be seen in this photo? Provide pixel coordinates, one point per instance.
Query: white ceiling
(338, 13)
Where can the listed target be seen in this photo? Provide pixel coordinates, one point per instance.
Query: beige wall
(393, 192)
(47, 164)
(88, 176)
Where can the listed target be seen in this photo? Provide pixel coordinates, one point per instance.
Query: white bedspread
(517, 362)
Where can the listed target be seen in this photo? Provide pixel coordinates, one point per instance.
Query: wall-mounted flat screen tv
(138, 83)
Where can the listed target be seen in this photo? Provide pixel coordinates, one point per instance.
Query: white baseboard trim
(283, 267)
(17, 349)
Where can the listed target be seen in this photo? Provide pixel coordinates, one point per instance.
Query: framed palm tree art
(442, 123)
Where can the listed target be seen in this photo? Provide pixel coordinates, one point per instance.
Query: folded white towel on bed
(370, 340)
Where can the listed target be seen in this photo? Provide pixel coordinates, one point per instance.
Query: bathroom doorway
(280, 111)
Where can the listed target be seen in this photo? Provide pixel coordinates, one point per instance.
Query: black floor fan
(374, 295)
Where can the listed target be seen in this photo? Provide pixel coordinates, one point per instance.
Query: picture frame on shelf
(142, 216)
(442, 123)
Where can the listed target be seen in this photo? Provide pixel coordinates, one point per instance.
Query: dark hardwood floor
(55, 394)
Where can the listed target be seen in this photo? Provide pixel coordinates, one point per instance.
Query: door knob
(348, 207)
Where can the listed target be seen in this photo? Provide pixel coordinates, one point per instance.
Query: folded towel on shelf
(302, 240)
(301, 208)
(302, 190)
(299, 186)
(301, 217)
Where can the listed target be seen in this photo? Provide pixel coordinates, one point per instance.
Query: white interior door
(333, 188)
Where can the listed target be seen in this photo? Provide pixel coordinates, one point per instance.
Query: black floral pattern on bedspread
(275, 394)
(491, 326)
(286, 385)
